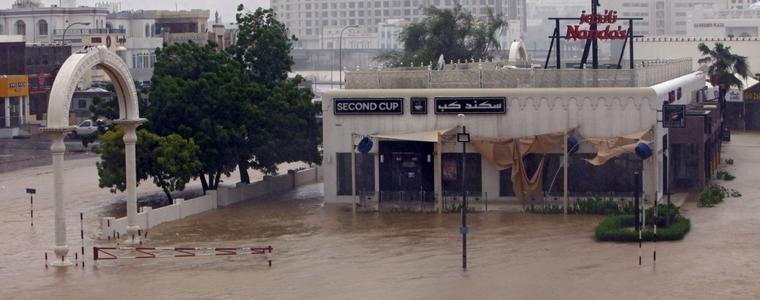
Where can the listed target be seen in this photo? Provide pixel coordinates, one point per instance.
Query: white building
(726, 23)
(39, 24)
(411, 116)
(141, 41)
(389, 32)
(669, 47)
(661, 17)
(310, 19)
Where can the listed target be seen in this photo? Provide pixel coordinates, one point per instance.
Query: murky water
(326, 252)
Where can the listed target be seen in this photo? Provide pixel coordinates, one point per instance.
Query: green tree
(282, 126)
(453, 33)
(196, 93)
(170, 161)
(723, 66)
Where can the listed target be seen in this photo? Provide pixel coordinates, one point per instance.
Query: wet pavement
(326, 252)
(34, 151)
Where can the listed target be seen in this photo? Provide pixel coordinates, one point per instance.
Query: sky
(226, 8)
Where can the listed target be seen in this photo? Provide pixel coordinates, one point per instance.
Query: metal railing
(646, 73)
(88, 31)
(420, 201)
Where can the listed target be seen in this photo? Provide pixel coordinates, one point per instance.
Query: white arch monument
(58, 127)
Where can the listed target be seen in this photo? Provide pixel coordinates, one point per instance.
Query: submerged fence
(223, 196)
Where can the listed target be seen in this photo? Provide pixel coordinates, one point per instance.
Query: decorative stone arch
(72, 70)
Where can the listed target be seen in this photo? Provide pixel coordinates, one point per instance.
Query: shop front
(14, 95)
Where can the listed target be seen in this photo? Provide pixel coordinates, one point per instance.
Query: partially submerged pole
(564, 176)
(353, 171)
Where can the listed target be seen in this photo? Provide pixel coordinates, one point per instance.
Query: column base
(60, 257)
(132, 237)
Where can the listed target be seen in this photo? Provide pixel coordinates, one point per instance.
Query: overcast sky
(226, 8)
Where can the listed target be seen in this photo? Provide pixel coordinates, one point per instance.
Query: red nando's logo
(575, 32)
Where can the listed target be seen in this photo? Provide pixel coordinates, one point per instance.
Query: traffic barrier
(113, 253)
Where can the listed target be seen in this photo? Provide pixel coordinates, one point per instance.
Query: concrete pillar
(7, 104)
(130, 139)
(437, 184)
(58, 147)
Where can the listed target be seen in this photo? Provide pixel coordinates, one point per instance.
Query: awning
(609, 148)
(424, 136)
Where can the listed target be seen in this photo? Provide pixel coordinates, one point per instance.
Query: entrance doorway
(406, 171)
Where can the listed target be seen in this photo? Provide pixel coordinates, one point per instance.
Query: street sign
(31, 191)
(673, 116)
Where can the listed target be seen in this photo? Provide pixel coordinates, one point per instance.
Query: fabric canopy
(509, 153)
(609, 148)
(425, 136)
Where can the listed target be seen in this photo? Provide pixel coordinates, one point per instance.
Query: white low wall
(223, 196)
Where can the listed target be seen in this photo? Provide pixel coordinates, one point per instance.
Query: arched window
(1, 28)
(147, 30)
(109, 26)
(42, 27)
(152, 30)
(20, 27)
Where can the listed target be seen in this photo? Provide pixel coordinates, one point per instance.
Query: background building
(312, 21)
(40, 24)
(14, 87)
(42, 64)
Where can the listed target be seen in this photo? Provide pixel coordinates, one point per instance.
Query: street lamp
(63, 40)
(340, 53)
(463, 138)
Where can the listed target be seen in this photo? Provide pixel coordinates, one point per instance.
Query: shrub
(588, 206)
(616, 229)
(712, 195)
(725, 176)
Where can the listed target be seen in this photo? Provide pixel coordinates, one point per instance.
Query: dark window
(365, 173)
(96, 40)
(613, 178)
(82, 104)
(451, 169)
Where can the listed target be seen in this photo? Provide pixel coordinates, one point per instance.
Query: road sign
(31, 191)
(673, 116)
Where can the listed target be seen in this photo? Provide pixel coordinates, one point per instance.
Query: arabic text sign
(471, 105)
(368, 106)
(673, 116)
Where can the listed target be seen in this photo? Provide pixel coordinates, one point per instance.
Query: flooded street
(326, 252)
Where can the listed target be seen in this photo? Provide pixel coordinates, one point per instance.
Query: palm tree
(723, 66)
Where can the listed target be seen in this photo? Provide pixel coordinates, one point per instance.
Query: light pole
(63, 40)
(463, 138)
(340, 53)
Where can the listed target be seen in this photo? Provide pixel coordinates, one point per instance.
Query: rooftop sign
(575, 32)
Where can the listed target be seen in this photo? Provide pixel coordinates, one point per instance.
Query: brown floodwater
(326, 252)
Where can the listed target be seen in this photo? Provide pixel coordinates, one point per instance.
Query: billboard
(14, 86)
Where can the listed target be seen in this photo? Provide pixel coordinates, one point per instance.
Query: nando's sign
(608, 18)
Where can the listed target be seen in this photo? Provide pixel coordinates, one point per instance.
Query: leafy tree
(282, 126)
(108, 107)
(196, 93)
(455, 33)
(170, 161)
(723, 66)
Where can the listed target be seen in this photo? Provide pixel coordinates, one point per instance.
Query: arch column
(58, 148)
(130, 139)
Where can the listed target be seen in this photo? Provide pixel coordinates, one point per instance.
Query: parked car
(88, 127)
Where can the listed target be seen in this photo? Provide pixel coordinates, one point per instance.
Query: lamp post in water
(463, 138)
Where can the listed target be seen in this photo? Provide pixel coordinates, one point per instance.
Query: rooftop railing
(646, 73)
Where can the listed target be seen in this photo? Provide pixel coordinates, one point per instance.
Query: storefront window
(365, 173)
(451, 171)
(615, 178)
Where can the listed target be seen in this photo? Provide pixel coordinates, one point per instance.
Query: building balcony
(88, 31)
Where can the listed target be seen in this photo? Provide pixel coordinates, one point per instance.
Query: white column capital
(130, 124)
(57, 134)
